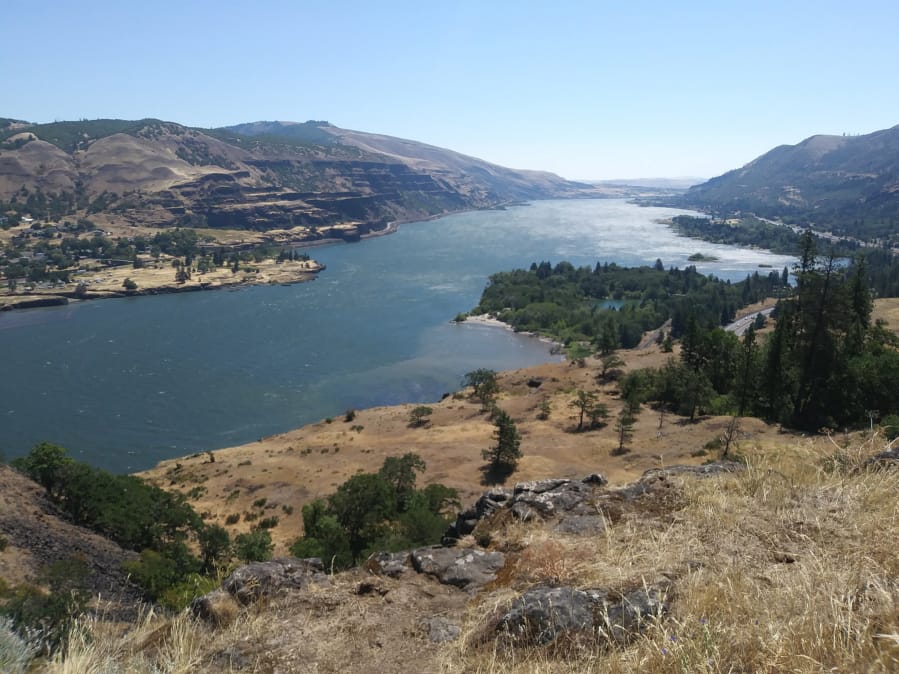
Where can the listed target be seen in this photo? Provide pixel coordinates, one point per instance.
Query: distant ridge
(849, 184)
(259, 176)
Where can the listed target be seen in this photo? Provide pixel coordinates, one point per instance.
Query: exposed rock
(542, 615)
(888, 458)
(705, 470)
(391, 564)
(625, 618)
(545, 614)
(581, 525)
(459, 567)
(551, 497)
(540, 486)
(440, 629)
(262, 579)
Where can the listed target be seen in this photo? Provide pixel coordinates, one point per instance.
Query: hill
(846, 184)
(259, 176)
(659, 563)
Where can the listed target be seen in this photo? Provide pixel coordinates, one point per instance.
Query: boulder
(463, 568)
(542, 615)
(390, 564)
(441, 630)
(262, 579)
(624, 619)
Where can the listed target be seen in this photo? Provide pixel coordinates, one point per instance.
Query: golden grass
(787, 567)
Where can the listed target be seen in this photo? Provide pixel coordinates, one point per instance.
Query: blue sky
(586, 89)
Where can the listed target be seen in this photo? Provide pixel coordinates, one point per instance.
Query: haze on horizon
(587, 90)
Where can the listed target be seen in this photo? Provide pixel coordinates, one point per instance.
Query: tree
(610, 367)
(484, 383)
(215, 546)
(584, 402)
(45, 464)
(361, 505)
(255, 546)
(597, 415)
(624, 428)
(503, 456)
(399, 473)
(577, 353)
(129, 284)
(418, 415)
(667, 343)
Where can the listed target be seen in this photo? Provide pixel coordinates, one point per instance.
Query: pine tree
(504, 455)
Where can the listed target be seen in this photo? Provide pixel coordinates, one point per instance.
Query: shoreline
(493, 322)
(268, 272)
(18, 301)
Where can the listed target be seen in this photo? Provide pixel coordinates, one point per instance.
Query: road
(739, 326)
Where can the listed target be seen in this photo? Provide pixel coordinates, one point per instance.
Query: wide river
(125, 383)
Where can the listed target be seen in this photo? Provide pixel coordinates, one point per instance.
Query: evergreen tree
(503, 456)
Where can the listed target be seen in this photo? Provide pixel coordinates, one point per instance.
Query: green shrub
(255, 546)
(891, 426)
(233, 518)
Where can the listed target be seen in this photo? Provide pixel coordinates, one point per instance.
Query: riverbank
(493, 322)
(158, 279)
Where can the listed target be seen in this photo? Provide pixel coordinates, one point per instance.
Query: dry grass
(787, 567)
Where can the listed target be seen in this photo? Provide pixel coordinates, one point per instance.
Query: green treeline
(373, 512)
(573, 304)
(749, 232)
(824, 366)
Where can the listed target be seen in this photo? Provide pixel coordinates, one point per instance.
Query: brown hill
(261, 176)
(37, 535)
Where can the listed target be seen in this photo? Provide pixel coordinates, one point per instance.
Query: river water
(125, 383)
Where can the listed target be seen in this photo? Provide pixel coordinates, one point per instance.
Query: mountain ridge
(848, 184)
(256, 176)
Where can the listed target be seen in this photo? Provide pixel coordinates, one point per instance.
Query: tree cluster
(611, 307)
(372, 512)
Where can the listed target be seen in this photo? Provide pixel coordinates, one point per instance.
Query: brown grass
(784, 568)
(789, 566)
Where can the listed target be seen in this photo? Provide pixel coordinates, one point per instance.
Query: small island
(699, 257)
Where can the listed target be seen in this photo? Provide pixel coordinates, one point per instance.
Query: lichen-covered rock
(464, 568)
(390, 564)
(544, 615)
(540, 486)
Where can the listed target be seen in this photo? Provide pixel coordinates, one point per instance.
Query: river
(125, 383)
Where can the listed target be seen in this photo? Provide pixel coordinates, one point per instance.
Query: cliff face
(256, 176)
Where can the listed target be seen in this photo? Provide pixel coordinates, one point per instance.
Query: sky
(586, 89)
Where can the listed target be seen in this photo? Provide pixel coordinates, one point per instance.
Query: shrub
(255, 546)
(891, 426)
(233, 518)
